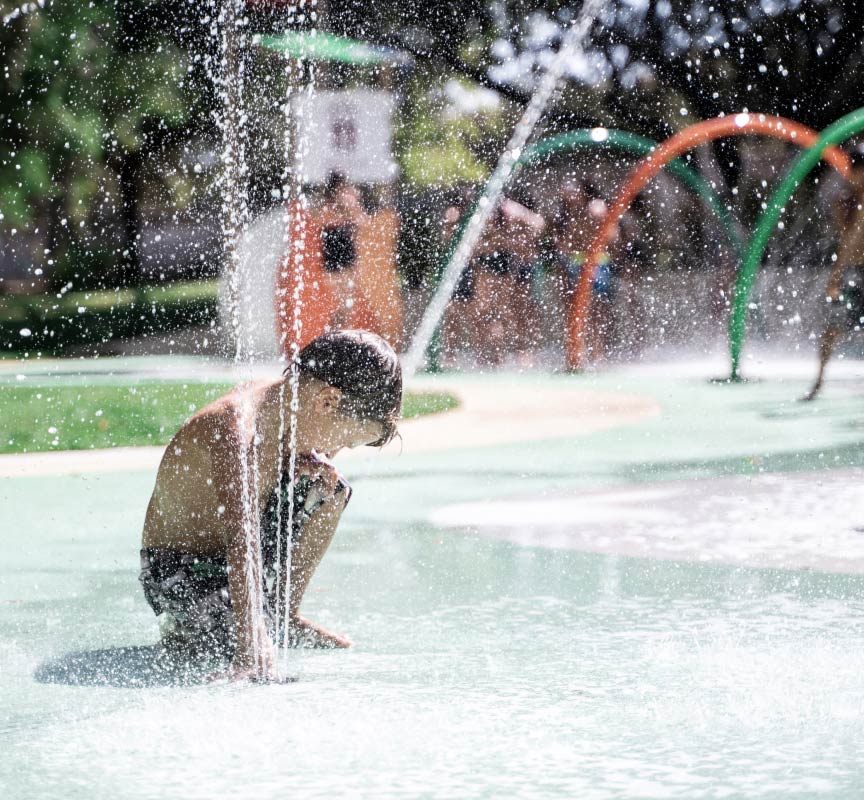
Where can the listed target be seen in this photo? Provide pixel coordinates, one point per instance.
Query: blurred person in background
(339, 218)
(524, 231)
(576, 220)
(350, 262)
(491, 311)
(460, 318)
(845, 294)
(504, 265)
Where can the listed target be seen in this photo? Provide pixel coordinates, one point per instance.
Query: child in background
(846, 287)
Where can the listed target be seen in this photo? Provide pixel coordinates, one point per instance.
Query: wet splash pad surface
(484, 665)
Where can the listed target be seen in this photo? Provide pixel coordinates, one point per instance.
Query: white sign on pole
(346, 131)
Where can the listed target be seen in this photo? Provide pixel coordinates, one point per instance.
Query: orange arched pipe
(647, 168)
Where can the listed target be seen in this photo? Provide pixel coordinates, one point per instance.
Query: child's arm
(314, 540)
(254, 656)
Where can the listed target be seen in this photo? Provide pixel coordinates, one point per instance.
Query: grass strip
(81, 416)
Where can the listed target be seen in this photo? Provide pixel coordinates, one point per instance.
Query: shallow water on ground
(483, 667)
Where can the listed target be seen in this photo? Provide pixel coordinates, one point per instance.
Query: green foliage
(435, 150)
(57, 321)
(82, 417)
(84, 85)
(419, 403)
(441, 163)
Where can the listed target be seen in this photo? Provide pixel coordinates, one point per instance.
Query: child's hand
(328, 481)
(307, 634)
(318, 468)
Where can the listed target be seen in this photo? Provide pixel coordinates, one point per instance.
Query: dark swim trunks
(192, 594)
(571, 268)
(498, 262)
(464, 290)
(191, 591)
(524, 271)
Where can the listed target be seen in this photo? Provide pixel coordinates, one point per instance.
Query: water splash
(229, 78)
(572, 47)
(294, 242)
(23, 10)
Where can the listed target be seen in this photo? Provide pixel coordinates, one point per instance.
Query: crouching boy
(216, 541)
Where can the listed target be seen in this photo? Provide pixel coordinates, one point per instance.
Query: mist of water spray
(571, 47)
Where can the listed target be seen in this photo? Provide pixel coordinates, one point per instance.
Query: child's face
(350, 432)
(332, 426)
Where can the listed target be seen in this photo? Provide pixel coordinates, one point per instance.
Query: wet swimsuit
(192, 590)
(338, 249)
(524, 271)
(498, 262)
(571, 267)
(464, 290)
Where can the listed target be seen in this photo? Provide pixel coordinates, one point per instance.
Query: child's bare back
(199, 477)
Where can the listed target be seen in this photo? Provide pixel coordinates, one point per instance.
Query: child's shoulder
(212, 422)
(218, 421)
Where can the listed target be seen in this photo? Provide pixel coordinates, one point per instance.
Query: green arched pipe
(610, 139)
(613, 139)
(836, 133)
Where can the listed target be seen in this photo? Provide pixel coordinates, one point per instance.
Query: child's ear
(328, 399)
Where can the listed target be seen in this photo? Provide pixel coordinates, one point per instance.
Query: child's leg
(826, 347)
(190, 596)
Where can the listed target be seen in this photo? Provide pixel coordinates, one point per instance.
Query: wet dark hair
(365, 369)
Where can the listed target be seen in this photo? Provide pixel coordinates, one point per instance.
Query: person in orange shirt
(347, 259)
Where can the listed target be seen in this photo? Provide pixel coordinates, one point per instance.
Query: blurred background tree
(107, 111)
(652, 66)
(92, 94)
(788, 57)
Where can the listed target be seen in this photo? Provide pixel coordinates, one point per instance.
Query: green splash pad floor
(482, 667)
